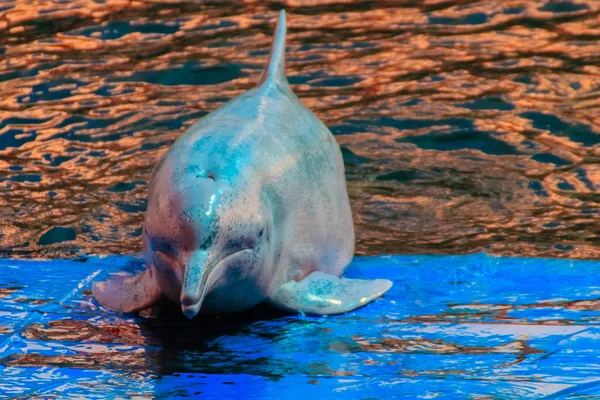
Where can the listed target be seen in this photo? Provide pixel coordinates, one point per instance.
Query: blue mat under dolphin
(455, 326)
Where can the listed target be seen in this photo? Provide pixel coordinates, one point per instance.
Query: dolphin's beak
(194, 283)
(191, 311)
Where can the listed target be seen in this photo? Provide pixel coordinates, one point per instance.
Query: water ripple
(465, 125)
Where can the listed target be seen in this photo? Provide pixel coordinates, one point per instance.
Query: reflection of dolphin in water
(248, 205)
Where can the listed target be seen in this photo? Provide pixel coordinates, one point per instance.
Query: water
(458, 327)
(465, 125)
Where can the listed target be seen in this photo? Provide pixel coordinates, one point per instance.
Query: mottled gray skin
(272, 167)
(249, 205)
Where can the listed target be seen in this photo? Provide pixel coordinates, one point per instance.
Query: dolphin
(249, 205)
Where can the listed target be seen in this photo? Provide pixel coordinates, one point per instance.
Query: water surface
(460, 327)
(465, 125)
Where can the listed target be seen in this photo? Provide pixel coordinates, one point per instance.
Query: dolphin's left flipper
(323, 294)
(128, 294)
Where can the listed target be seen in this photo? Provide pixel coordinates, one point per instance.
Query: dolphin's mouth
(191, 309)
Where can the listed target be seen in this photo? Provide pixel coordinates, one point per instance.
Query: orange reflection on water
(463, 126)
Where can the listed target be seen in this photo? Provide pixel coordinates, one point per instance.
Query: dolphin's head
(209, 236)
(203, 234)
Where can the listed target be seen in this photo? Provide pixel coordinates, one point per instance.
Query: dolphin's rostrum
(249, 205)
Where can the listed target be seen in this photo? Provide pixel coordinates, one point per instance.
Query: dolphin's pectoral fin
(128, 294)
(323, 294)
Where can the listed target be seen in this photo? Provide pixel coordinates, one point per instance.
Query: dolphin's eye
(250, 238)
(164, 259)
(164, 247)
(166, 256)
(264, 233)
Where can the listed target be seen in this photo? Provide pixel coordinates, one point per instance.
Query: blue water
(458, 326)
(464, 126)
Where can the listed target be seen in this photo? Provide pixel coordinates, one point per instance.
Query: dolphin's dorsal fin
(275, 71)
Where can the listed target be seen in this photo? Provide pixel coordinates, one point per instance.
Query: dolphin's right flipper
(128, 294)
(323, 294)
